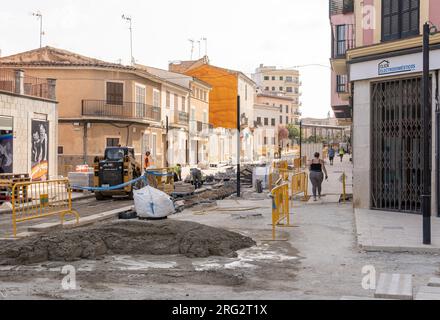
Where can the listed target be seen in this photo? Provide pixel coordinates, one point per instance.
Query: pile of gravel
(128, 237)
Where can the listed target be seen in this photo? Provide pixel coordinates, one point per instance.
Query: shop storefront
(6, 145)
(389, 134)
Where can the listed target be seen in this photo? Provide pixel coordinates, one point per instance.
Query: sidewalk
(319, 258)
(380, 230)
(394, 232)
(332, 188)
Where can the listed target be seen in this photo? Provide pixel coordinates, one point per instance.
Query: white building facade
(28, 126)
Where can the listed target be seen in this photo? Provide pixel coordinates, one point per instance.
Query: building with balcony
(101, 104)
(272, 80)
(384, 71)
(226, 85)
(28, 125)
(342, 23)
(186, 114)
(271, 113)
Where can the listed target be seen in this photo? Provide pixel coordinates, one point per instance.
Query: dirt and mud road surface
(209, 251)
(85, 207)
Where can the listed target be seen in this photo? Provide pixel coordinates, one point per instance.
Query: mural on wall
(6, 151)
(40, 150)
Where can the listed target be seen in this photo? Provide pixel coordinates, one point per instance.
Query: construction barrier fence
(299, 185)
(280, 207)
(280, 169)
(7, 181)
(39, 199)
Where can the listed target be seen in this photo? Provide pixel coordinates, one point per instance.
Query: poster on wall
(6, 151)
(40, 150)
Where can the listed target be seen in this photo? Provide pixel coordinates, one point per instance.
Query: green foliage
(293, 131)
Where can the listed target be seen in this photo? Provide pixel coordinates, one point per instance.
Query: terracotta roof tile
(49, 56)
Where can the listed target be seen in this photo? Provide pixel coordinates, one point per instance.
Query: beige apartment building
(199, 125)
(100, 104)
(279, 82)
(270, 114)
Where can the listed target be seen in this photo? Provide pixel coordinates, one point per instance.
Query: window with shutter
(176, 102)
(341, 34)
(115, 93)
(168, 100)
(400, 19)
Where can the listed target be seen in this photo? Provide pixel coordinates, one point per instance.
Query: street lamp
(128, 18)
(238, 148)
(40, 17)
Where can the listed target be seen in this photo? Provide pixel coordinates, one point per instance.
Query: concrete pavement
(394, 232)
(380, 230)
(324, 241)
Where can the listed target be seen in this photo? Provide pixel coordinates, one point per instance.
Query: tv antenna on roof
(192, 47)
(128, 18)
(198, 42)
(40, 17)
(206, 45)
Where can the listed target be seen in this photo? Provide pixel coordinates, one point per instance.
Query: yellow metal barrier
(280, 208)
(344, 193)
(297, 163)
(39, 199)
(300, 184)
(278, 169)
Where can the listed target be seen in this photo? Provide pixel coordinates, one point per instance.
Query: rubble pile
(246, 172)
(212, 193)
(229, 174)
(127, 237)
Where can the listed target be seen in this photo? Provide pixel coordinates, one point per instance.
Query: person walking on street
(317, 167)
(331, 155)
(341, 153)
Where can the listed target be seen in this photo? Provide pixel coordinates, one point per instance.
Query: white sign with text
(399, 65)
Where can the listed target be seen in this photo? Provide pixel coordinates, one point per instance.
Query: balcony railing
(343, 36)
(198, 128)
(120, 110)
(342, 84)
(11, 81)
(341, 7)
(181, 117)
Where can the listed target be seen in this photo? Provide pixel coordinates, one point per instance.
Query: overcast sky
(241, 34)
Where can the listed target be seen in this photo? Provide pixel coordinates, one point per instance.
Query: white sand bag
(152, 203)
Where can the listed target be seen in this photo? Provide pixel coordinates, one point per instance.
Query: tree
(293, 132)
(283, 133)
